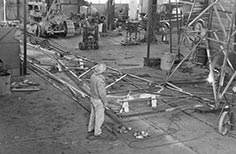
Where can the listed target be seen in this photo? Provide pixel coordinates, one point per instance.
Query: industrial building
(117, 76)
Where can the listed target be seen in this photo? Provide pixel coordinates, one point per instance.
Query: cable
(170, 131)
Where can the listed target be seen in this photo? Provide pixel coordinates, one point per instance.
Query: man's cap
(100, 68)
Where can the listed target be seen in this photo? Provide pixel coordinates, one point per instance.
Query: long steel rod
(86, 72)
(181, 62)
(117, 80)
(58, 79)
(222, 48)
(211, 72)
(191, 11)
(183, 107)
(223, 9)
(227, 86)
(204, 11)
(220, 21)
(135, 76)
(226, 55)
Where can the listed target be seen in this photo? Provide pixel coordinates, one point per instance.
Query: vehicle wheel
(224, 124)
(44, 44)
(81, 45)
(69, 28)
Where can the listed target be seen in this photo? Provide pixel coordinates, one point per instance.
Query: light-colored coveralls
(98, 102)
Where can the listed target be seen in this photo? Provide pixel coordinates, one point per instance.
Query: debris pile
(123, 129)
(141, 134)
(24, 86)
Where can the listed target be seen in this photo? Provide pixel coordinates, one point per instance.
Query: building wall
(11, 9)
(143, 4)
(119, 8)
(68, 9)
(133, 10)
(101, 8)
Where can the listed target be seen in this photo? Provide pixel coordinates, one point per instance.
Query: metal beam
(149, 24)
(25, 41)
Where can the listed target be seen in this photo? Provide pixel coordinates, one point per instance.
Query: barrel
(167, 60)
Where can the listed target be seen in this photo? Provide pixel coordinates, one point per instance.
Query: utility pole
(110, 14)
(209, 22)
(78, 2)
(170, 16)
(4, 11)
(149, 29)
(25, 47)
(18, 9)
(234, 24)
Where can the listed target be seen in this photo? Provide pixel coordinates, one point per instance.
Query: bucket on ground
(5, 84)
(167, 60)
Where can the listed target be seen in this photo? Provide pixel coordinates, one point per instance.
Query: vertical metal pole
(210, 19)
(18, 9)
(49, 4)
(178, 28)
(108, 14)
(79, 4)
(4, 11)
(170, 16)
(149, 24)
(25, 48)
(234, 25)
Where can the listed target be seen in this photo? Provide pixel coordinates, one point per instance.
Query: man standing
(98, 101)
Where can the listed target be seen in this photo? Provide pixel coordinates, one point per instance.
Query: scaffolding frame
(207, 35)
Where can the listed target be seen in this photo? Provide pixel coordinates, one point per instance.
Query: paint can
(167, 60)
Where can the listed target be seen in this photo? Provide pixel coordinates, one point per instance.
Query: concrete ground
(48, 121)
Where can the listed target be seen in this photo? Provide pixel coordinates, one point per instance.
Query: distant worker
(98, 102)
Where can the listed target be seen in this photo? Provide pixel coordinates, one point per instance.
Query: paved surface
(48, 121)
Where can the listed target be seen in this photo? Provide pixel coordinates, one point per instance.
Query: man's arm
(102, 92)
